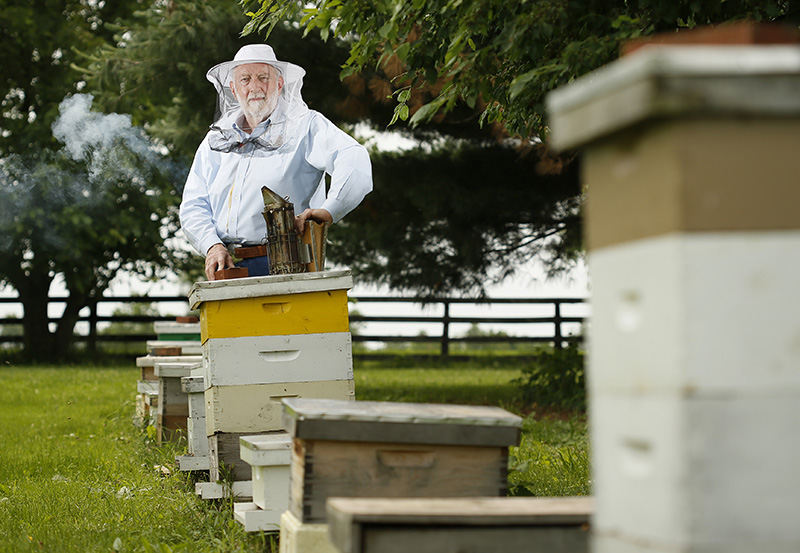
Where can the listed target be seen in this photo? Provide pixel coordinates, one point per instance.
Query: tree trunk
(37, 339)
(62, 339)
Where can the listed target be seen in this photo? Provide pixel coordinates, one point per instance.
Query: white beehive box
(271, 359)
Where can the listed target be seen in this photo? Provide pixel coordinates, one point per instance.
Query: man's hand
(217, 257)
(316, 215)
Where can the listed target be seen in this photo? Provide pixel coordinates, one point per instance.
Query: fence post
(92, 342)
(557, 338)
(446, 329)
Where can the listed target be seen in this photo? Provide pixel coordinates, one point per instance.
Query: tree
(80, 213)
(498, 57)
(37, 42)
(103, 203)
(442, 220)
(155, 68)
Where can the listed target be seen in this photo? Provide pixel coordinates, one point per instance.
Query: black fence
(557, 337)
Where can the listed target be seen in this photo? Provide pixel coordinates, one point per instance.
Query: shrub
(555, 379)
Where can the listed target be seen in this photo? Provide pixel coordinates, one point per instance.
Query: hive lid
(172, 327)
(175, 370)
(378, 421)
(272, 285)
(151, 360)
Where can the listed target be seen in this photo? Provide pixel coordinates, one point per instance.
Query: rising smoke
(100, 154)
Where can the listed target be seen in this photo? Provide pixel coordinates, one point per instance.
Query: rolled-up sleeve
(347, 162)
(196, 216)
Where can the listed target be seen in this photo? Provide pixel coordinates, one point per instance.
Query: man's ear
(280, 83)
(233, 89)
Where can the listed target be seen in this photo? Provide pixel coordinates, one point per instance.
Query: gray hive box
(384, 449)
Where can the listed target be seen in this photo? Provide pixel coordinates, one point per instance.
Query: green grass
(77, 476)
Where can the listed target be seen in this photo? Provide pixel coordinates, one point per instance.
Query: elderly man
(266, 136)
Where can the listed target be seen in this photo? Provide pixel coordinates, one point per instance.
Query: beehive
(693, 238)
(265, 339)
(385, 449)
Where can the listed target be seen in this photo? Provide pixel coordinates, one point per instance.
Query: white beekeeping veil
(290, 106)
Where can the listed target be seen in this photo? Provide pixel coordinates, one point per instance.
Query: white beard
(262, 108)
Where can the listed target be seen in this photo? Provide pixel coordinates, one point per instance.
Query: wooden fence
(557, 336)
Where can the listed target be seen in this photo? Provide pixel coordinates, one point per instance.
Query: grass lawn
(77, 476)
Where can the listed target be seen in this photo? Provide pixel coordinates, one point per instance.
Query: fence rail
(558, 337)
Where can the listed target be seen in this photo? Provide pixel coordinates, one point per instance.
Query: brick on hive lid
(166, 351)
(236, 272)
(188, 319)
(738, 33)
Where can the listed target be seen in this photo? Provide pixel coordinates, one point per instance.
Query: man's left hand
(316, 215)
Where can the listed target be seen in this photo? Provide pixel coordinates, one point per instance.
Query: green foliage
(555, 379)
(38, 42)
(459, 216)
(552, 458)
(497, 57)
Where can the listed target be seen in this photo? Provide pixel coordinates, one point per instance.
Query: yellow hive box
(305, 303)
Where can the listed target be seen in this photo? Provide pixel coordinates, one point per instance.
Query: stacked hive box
(264, 339)
(174, 331)
(147, 386)
(384, 449)
(693, 238)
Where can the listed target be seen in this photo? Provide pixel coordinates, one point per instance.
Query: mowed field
(77, 475)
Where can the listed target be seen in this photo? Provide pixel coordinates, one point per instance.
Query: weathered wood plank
(323, 469)
(176, 369)
(186, 347)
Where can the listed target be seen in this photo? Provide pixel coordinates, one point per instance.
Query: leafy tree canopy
(497, 57)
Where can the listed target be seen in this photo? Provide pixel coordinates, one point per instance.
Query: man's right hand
(217, 257)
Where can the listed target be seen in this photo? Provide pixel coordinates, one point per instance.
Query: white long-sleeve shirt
(222, 199)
